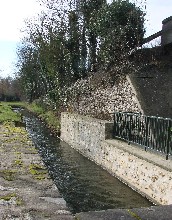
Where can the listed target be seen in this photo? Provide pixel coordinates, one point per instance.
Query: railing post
(146, 132)
(169, 138)
(114, 124)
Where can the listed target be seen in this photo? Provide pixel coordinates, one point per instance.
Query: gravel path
(26, 190)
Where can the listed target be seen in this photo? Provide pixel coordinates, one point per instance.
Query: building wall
(166, 37)
(150, 174)
(154, 91)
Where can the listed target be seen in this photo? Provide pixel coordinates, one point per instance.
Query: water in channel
(84, 185)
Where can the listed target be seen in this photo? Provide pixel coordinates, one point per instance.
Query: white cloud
(157, 11)
(12, 15)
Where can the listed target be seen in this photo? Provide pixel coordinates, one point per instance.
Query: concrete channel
(27, 192)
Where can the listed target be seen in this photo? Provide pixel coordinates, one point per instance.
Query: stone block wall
(139, 169)
(85, 133)
(148, 173)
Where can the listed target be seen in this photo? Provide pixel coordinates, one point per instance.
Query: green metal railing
(148, 131)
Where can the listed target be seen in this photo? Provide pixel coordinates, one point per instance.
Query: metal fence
(148, 131)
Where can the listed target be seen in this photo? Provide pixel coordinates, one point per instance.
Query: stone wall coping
(156, 159)
(87, 117)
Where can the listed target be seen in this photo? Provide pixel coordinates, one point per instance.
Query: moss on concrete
(9, 196)
(38, 172)
(9, 175)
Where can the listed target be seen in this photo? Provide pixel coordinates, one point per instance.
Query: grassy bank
(48, 116)
(7, 114)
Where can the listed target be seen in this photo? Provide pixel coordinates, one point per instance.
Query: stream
(84, 185)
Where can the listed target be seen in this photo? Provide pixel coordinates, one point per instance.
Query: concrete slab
(151, 213)
(26, 190)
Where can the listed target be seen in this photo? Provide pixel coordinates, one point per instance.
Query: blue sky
(7, 57)
(13, 13)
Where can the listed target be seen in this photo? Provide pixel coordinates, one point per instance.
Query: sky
(14, 12)
(12, 16)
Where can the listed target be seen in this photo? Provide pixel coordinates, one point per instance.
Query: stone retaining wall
(148, 173)
(99, 95)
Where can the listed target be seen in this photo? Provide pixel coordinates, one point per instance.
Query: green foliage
(36, 108)
(44, 60)
(73, 44)
(88, 10)
(120, 27)
(7, 114)
(120, 18)
(51, 119)
(68, 41)
(45, 113)
(30, 72)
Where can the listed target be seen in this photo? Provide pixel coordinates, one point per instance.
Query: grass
(51, 120)
(37, 109)
(7, 114)
(48, 116)
(15, 104)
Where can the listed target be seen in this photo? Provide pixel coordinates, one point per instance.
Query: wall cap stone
(149, 156)
(86, 117)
